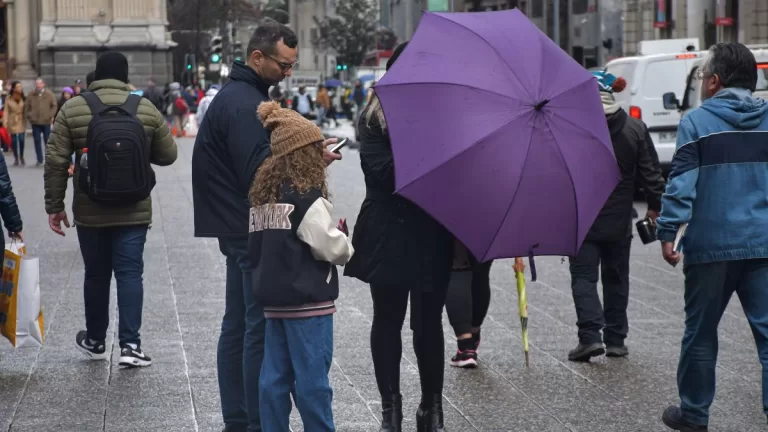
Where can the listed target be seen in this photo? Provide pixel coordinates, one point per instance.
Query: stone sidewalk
(56, 389)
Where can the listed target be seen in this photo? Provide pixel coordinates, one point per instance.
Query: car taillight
(635, 112)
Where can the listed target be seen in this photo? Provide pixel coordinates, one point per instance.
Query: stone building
(59, 40)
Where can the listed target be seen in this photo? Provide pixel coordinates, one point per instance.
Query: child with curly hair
(295, 247)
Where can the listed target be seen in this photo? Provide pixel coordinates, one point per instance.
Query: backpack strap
(131, 104)
(94, 103)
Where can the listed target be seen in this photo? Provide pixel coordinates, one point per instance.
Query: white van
(692, 98)
(648, 79)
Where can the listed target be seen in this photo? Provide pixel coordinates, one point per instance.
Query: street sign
(214, 67)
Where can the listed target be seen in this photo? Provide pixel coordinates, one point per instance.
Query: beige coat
(41, 107)
(13, 116)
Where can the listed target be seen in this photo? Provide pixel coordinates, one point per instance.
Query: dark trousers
(708, 289)
(469, 295)
(299, 353)
(390, 304)
(241, 343)
(119, 250)
(40, 134)
(612, 259)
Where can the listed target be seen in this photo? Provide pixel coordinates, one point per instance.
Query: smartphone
(341, 144)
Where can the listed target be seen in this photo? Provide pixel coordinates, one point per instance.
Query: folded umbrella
(498, 134)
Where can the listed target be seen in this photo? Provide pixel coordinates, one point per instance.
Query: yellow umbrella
(522, 303)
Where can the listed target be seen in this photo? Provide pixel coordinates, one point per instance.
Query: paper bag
(21, 317)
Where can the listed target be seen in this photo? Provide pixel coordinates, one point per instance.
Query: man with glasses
(230, 146)
(715, 200)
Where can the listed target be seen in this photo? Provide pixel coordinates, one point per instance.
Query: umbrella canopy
(498, 134)
(368, 77)
(333, 83)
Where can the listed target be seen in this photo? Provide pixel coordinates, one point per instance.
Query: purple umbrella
(498, 134)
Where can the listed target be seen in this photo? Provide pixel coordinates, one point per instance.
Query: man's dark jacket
(638, 161)
(230, 146)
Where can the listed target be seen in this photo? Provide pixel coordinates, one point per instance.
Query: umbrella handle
(519, 265)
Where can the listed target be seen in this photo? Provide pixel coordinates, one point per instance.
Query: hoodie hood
(212, 92)
(737, 107)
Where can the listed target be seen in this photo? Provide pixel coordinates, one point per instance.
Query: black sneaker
(673, 418)
(133, 357)
(582, 353)
(465, 359)
(94, 350)
(616, 351)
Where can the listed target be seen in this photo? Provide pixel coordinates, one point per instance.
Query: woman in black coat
(400, 250)
(9, 211)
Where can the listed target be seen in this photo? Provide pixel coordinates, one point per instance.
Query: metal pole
(556, 12)
(197, 32)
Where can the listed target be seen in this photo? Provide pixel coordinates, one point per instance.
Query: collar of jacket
(109, 84)
(242, 72)
(616, 121)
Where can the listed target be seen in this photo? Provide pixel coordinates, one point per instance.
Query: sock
(466, 344)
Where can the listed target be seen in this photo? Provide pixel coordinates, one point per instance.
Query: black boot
(429, 416)
(392, 414)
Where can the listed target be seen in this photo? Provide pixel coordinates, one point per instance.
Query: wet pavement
(56, 389)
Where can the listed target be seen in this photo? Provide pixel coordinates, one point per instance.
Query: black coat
(9, 211)
(230, 146)
(396, 243)
(638, 161)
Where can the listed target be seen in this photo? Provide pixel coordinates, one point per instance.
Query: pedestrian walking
(400, 251)
(41, 108)
(469, 296)
(303, 104)
(15, 120)
(717, 189)
(112, 208)
(323, 102)
(66, 94)
(295, 245)
(9, 211)
(230, 146)
(205, 103)
(604, 254)
(155, 95)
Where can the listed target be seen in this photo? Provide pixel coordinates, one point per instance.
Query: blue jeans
(708, 288)
(17, 145)
(241, 343)
(118, 249)
(298, 356)
(38, 132)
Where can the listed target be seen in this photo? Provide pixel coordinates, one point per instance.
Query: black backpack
(118, 171)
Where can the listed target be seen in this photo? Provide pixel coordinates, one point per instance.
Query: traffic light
(189, 61)
(237, 51)
(216, 49)
(341, 64)
(338, 67)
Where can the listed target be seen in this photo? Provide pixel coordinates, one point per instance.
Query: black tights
(389, 308)
(469, 295)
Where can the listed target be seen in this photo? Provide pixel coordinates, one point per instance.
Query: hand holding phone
(337, 148)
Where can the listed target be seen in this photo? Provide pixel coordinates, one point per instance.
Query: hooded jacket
(719, 179)
(634, 155)
(203, 106)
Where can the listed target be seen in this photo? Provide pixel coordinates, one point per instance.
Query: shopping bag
(21, 316)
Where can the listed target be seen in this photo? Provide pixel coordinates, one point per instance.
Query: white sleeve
(318, 230)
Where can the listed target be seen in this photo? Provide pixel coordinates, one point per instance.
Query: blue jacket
(230, 146)
(719, 180)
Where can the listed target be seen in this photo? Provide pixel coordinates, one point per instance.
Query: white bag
(21, 316)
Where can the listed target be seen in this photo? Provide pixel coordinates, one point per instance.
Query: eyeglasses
(284, 67)
(700, 74)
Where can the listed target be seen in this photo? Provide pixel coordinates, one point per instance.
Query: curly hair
(304, 169)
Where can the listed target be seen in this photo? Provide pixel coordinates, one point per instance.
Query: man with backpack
(115, 136)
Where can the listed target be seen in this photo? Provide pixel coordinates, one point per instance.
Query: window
(537, 9)
(762, 77)
(579, 7)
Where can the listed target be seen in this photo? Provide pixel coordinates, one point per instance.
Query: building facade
(315, 64)
(710, 21)
(59, 40)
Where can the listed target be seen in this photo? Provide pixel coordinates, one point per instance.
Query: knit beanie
(290, 130)
(112, 65)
